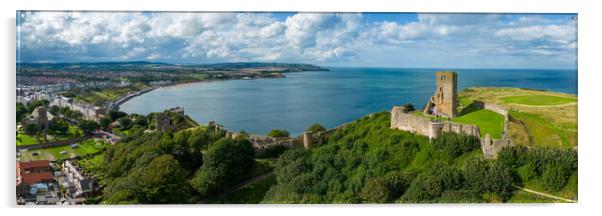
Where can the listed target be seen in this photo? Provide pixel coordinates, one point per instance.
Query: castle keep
(444, 103)
(445, 100)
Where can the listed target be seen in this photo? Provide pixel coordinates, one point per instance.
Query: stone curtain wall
(420, 125)
(402, 120)
(408, 122)
(492, 146)
(461, 128)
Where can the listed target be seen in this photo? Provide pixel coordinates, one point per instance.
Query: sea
(330, 98)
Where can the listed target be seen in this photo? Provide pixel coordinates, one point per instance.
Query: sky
(417, 40)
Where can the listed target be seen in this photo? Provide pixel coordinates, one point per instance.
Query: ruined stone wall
(491, 147)
(408, 122)
(461, 128)
(424, 126)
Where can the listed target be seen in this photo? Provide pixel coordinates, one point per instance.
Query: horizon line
(267, 62)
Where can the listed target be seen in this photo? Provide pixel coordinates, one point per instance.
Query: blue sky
(440, 40)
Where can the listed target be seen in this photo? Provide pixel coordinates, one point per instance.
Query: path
(545, 194)
(239, 187)
(543, 106)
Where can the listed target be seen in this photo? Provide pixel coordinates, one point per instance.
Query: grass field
(109, 94)
(550, 117)
(538, 100)
(543, 132)
(54, 153)
(24, 139)
(488, 122)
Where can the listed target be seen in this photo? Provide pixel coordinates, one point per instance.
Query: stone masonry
(444, 103)
(445, 100)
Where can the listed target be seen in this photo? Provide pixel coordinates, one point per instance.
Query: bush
(454, 144)
(375, 191)
(554, 178)
(315, 128)
(278, 133)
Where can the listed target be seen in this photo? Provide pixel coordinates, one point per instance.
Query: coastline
(141, 92)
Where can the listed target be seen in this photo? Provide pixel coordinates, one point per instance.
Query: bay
(329, 98)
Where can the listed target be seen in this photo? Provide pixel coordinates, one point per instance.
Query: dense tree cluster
(171, 167)
(548, 167)
(367, 162)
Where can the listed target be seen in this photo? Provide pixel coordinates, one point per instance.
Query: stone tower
(445, 100)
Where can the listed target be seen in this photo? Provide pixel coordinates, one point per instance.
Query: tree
(114, 115)
(125, 123)
(162, 181)
(77, 115)
(37, 103)
(278, 133)
(500, 180)
(31, 129)
(21, 112)
(105, 122)
(88, 126)
(315, 128)
(554, 178)
(226, 162)
(59, 126)
(158, 180)
(509, 156)
(475, 175)
(456, 144)
(425, 188)
(140, 120)
(54, 110)
(375, 191)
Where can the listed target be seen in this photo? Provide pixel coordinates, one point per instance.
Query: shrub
(316, 128)
(375, 191)
(278, 133)
(454, 144)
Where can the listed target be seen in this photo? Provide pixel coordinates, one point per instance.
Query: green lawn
(538, 100)
(488, 122)
(24, 139)
(543, 132)
(54, 153)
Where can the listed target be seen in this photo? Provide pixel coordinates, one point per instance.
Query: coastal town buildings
(75, 182)
(36, 183)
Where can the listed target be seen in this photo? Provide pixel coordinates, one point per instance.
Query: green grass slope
(488, 122)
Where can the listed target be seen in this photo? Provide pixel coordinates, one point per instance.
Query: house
(35, 182)
(73, 179)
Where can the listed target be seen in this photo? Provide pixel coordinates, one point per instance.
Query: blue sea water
(330, 97)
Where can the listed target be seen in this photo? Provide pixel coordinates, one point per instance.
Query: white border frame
(588, 80)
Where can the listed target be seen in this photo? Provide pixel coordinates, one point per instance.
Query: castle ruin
(445, 100)
(444, 103)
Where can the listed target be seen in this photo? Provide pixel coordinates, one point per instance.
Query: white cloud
(303, 37)
(557, 33)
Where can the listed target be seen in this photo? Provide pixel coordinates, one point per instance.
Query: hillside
(367, 162)
(167, 67)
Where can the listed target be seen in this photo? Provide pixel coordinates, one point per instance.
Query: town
(63, 127)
